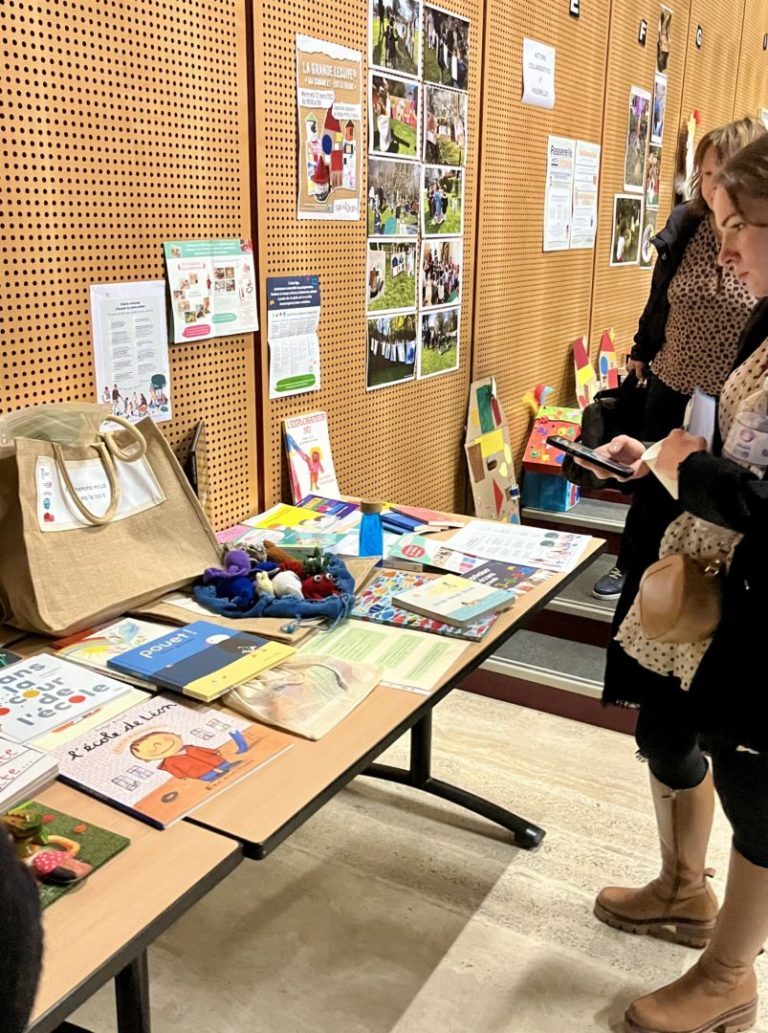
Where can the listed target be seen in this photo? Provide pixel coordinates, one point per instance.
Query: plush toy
(264, 584)
(257, 552)
(234, 581)
(287, 583)
(315, 563)
(283, 559)
(319, 586)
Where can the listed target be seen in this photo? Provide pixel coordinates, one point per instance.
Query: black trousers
(664, 410)
(675, 752)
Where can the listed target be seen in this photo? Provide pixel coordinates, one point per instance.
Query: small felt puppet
(315, 563)
(287, 583)
(263, 583)
(319, 586)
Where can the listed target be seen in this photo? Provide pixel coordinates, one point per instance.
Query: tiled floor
(391, 912)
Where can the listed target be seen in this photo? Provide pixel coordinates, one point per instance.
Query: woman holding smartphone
(702, 695)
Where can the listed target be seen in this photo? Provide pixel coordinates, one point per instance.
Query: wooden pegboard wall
(620, 294)
(402, 442)
(531, 305)
(752, 81)
(124, 125)
(709, 86)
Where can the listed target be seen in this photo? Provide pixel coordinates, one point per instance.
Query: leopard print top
(708, 309)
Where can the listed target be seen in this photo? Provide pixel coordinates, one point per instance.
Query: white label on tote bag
(139, 490)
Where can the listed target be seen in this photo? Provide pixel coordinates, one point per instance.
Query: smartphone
(575, 448)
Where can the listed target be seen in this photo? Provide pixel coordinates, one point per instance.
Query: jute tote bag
(89, 531)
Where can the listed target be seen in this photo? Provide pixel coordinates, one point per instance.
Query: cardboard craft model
(489, 455)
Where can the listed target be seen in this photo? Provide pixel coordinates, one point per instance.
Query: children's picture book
(45, 693)
(23, 772)
(54, 830)
(202, 660)
(307, 695)
(415, 551)
(328, 509)
(281, 516)
(454, 599)
(163, 758)
(510, 576)
(375, 602)
(94, 648)
(310, 462)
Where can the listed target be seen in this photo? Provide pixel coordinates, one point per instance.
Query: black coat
(725, 698)
(670, 243)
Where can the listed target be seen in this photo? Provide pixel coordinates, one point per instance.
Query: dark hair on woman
(726, 141)
(745, 177)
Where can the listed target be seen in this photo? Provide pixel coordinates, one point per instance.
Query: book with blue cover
(202, 660)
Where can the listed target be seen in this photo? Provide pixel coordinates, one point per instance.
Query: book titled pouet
(454, 599)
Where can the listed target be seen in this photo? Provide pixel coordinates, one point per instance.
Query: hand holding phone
(589, 455)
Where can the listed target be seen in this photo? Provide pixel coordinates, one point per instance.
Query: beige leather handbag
(680, 599)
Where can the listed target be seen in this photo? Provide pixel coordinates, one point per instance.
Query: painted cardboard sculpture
(609, 373)
(544, 486)
(587, 384)
(489, 456)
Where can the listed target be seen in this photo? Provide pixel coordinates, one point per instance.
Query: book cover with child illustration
(161, 759)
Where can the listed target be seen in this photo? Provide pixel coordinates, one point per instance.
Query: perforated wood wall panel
(752, 80)
(620, 293)
(531, 305)
(402, 442)
(709, 86)
(124, 125)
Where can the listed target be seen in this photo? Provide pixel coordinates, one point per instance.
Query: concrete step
(553, 662)
(587, 514)
(577, 599)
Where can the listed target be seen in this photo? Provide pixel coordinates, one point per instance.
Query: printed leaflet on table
(514, 543)
(411, 660)
(130, 349)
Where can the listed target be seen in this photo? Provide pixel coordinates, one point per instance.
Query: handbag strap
(137, 449)
(114, 486)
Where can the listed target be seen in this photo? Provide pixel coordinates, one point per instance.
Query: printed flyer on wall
(558, 193)
(585, 184)
(130, 349)
(293, 314)
(213, 288)
(329, 83)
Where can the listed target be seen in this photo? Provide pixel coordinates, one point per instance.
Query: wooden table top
(138, 893)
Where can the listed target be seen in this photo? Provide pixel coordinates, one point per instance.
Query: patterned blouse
(708, 308)
(697, 538)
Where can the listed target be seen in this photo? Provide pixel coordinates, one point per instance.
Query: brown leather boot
(719, 994)
(679, 905)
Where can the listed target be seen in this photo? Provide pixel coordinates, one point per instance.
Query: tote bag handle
(114, 487)
(136, 451)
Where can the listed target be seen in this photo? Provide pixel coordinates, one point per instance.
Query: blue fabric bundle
(333, 608)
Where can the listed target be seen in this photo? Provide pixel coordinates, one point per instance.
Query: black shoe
(609, 586)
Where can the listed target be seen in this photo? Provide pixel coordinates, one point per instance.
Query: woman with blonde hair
(701, 694)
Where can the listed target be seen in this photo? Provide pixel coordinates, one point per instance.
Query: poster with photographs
(439, 343)
(391, 276)
(329, 88)
(393, 198)
(394, 41)
(658, 108)
(440, 272)
(638, 130)
(391, 350)
(393, 114)
(442, 200)
(652, 177)
(445, 126)
(445, 59)
(663, 38)
(647, 250)
(627, 222)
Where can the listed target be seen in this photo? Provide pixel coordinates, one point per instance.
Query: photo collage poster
(417, 146)
(635, 211)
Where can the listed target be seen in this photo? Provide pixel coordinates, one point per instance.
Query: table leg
(418, 776)
(132, 997)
